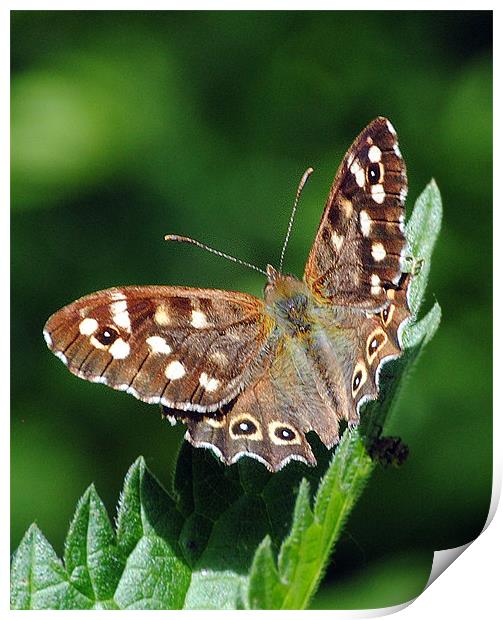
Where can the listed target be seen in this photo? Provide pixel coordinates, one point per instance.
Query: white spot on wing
(365, 223)
(375, 282)
(358, 172)
(374, 154)
(158, 344)
(210, 384)
(360, 177)
(199, 319)
(161, 316)
(337, 241)
(119, 349)
(119, 306)
(120, 315)
(174, 370)
(378, 252)
(122, 320)
(347, 205)
(396, 149)
(88, 326)
(378, 193)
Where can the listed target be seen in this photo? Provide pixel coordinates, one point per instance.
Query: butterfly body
(320, 340)
(250, 376)
(289, 303)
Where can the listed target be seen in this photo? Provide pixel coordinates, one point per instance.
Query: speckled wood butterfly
(250, 376)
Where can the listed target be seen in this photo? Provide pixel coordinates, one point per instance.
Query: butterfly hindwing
(182, 347)
(376, 339)
(360, 242)
(268, 421)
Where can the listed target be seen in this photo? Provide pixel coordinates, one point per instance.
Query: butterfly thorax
(289, 302)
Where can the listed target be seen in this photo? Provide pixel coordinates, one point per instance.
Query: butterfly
(252, 376)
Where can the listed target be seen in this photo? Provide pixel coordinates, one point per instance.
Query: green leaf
(306, 550)
(39, 580)
(143, 567)
(155, 575)
(422, 231)
(228, 512)
(227, 537)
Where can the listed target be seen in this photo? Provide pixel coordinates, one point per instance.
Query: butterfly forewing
(360, 242)
(182, 347)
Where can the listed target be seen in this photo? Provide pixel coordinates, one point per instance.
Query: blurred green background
(129, 125)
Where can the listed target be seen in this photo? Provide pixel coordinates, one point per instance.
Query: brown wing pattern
(378, 339)
(357, 251)
(193, 349)
(269, 420)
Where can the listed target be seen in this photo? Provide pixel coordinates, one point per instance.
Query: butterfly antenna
(203, 246)
(303, 181)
